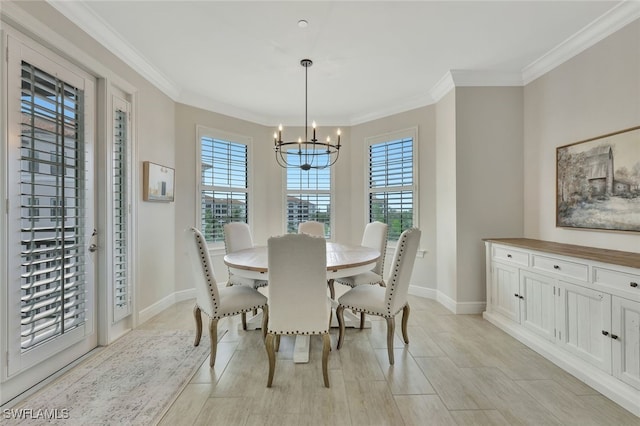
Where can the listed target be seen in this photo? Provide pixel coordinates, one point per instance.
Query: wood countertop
(616, 257)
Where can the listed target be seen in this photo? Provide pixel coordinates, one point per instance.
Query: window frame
(204, 131)
(411, 132)
(332, 197)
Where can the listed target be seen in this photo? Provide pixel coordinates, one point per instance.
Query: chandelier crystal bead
(310, 153)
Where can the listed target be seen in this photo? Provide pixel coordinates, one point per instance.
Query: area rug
(131, 382)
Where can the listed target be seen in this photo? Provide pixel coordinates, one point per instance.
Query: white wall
(424, 273)
(445, 168)
(489, 182)
(595, 93)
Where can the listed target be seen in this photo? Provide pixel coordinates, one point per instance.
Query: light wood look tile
(568, 408)
(422, 410)
(479, 418)
(404, 376)
(224, 412)
(187, 407)
(371, 403)
(450, 384)
(457, 369)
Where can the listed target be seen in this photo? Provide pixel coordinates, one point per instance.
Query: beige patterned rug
(131, 382)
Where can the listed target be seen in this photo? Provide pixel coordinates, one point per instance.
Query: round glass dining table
(342, 261)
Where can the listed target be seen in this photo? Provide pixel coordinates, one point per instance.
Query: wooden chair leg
(326, 347)
(198, 317)
(361, 320)
(391, 327)
(213, 334)
(277, 342)
(332, 289)
(244, 320)
(272, 357)
(265, 320)
(405, 320)
(340, 315)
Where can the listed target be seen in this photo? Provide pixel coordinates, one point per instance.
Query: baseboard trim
(149, 312)
(455, 307)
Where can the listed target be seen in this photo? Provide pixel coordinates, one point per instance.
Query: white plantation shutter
(391, 180)
(224, 182)
(120, 213)
(52, 180)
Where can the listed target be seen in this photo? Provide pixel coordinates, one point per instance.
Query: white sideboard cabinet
(577, 306)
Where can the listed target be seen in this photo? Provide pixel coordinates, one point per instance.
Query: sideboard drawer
(507, 254)
(616, 279)
(575, 270)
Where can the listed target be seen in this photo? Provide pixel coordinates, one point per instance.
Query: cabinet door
(585, 317)
(505, 291)
(538, 304)
(625, 331)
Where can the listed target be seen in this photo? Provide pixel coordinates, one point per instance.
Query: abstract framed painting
(598, 182)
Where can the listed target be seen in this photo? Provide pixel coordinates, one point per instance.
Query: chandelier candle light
(311, 154)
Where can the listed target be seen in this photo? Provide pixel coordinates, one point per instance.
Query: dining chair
(375, 237)
(387, 301)
(237, 236)
(216, 302)
(311, 227)
(298, 302)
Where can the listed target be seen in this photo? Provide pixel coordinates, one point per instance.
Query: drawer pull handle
(606, 333)
(614, 337)
(509, 256)
(633, 284)
(556, 267)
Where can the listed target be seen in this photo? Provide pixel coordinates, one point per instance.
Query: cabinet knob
(521, 297)
(633, 284)
(556, 267)
(606, 333)
(509, 256)
(516, 295)
(614, 337)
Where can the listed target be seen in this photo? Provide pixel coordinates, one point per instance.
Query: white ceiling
(371, 59)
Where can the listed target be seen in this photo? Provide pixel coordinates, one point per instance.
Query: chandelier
(306, 154)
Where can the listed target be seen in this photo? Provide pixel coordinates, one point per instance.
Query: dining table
(343, 260)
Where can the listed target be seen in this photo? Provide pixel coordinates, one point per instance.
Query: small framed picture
(158, 182)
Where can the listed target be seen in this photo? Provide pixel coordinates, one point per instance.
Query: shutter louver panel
(224, 186)
(120, 199)
(52, 182)
(391, 185)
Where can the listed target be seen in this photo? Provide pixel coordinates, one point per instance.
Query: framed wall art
(598, 182)
(158, 182)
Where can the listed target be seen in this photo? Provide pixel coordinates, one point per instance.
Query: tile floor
(457, 370)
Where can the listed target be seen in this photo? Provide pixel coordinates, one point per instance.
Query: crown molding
(610, 22)
(442, 87)
(602, 27)
(82, 16)
(413, 103)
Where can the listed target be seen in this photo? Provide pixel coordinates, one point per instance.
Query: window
(392, 198)
(308, 195)
(224, 182)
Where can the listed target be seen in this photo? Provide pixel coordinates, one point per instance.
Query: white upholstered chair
(311, 227)
(237, 236)
(298, 302)
(375, 237)
(385, 301)
(217, 303)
